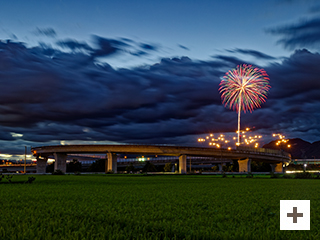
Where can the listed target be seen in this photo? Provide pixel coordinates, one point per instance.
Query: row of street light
(246, 139)
(282, 139)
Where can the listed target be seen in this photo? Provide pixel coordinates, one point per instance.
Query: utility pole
(25, 159)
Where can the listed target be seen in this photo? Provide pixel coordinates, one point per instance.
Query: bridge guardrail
(265, 150)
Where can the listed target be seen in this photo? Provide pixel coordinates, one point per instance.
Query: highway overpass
(244, 155)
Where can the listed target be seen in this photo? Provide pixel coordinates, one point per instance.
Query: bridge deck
(261, 154)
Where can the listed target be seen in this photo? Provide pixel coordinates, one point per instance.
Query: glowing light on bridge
(281, 140)
(226, 140)
(244, 88)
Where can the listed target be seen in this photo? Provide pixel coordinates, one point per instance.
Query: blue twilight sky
(197, 29)
(149, 71)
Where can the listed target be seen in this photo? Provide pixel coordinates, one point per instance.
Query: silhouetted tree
(260, 167)
(74, 166)
(168, 167)
(225, 168)
(235, 166)
(97, 166)
(50, 168)
(214, 168)
(130, 168)
(149, 167)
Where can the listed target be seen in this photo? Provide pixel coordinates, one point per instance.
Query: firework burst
(244, 88)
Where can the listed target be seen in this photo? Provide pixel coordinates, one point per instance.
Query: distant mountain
(299, 148)
(314, 150)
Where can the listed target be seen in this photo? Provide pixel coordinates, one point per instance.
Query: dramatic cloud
(183, 47)
(295, 94)
(48, 32)
(148, 47)
(74, 45)
(256, 54)
(303, 34)
(106, 47)
(48, 96)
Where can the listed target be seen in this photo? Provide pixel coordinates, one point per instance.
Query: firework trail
(244, 88)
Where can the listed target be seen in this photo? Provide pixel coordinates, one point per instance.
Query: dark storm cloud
(183, 47)
(48, 32)
(5, 135)
(70, 89)
(294, 96)
(106, 47)
(296, 76)
(254, 53)
(138, 53)
(74, 45)
(148, 47)
(50, 95)
(303, 34)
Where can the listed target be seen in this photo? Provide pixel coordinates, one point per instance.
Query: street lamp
(304, 167)
(223, 140)
(281, 139)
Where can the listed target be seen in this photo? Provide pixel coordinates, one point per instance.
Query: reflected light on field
(301, 171)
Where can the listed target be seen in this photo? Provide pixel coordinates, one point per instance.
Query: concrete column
(41, 165)
(183, 164)
(276, 167)
(245, 165)
(273, 166)
(111, 164)
(220, 166)
(60, 162)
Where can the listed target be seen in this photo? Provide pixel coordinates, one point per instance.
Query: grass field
(152, 207)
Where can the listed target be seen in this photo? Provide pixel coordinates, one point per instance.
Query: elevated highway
(244, 155)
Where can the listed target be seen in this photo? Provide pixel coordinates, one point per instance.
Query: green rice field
(152, 207)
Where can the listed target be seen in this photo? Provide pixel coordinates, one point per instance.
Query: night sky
(142, 71)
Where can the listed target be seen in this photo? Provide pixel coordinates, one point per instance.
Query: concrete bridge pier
(221, 166)
(111, 162)
(276, 167)
(183, 164)
(245, 165)
(41, 164)
(60, 162)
